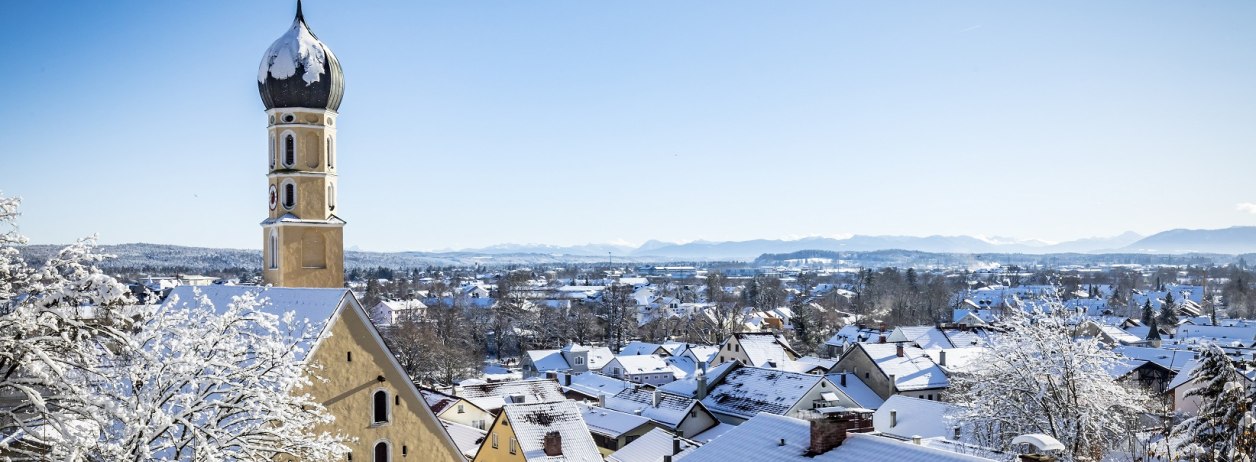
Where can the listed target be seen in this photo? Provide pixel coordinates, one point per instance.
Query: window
(494, 440)
(513, 445)
(331, 152)
(289, 150)
(289, 195)
(397, 402)
(272, 151)
(461, 410)
(693, 413)
(274, 249)
(381, 452)
(331, 197)
(579, 360)
(349, 356)
(380, 409)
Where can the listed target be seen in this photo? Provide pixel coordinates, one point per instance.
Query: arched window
(380, 408)
(289, 150)
(274, 249)
(272, 151)
(381, 451)
(289, 195)
(331, 152)
(331, 197)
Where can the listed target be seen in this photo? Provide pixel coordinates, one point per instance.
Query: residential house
(891, 369)
(821, 438)
(612, 429)
(745, 391)
(679, 415)
(1183, 384)
(392, 312)
(653, 447)
(492, 396)
(647, 369)
(590, 386)
(451, 408)
(539, 432)
(362, 385)
(573, 358)
(759, 349)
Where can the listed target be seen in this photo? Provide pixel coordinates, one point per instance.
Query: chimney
(942, 358)
(898, 349)
(843, 380)
(601, 400)
(675, 445)
(827, 432)
(702, 366)
(656, 398)
(893, 384)
(552, 375)
(882, 340)
(553, 444)
(893, 418)
(915, 439)
(702, 387)
(667, 458)
(567, 379)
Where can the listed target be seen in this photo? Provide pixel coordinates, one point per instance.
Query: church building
(301, 85)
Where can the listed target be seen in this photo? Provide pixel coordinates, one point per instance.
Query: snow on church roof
(296, 48)
(312, 304)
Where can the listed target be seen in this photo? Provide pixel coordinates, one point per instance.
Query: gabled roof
(1172, 359)
(594, 385)
(467, 438)
(650, 447)
(746, 391)
(913, 371)
(436, 400)
(762, 347)
(609, 422)
(644, 364)
(531, 422)
(913, 417)
(635, 348)
(926, 337)
(759, 439)
(492, 396)
(548, 360)
(315, 305)
(856, 390)
(689, 386)
(671, 410)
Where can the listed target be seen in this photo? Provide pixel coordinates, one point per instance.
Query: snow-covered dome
(300, 71)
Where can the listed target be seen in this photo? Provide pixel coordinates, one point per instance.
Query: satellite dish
(1041, 441)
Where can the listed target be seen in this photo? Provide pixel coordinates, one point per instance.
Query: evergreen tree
(1168, 312)
(1224, 428)
(1147, 313)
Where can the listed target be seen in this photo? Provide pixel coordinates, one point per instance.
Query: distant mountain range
(1232, 241)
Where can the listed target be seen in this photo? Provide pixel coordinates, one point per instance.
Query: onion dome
(300, 71)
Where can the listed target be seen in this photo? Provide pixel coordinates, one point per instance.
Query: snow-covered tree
(214, 383)
(85, 374)
(54, 326)
(1225, 428)
(1040, 376)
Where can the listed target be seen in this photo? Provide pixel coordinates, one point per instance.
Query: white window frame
(283, 194)
(388, 450)
(331, 151)
(283, 148)
(273, 153)
(274, 248)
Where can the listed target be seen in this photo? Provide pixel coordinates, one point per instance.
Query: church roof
(298, 70)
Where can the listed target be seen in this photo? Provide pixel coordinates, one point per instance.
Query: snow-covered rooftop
(762, 348)
(314, 305)
(856, 390)
(531, 422)
(746, 391)
(594, 385)
(671, 410)
(609, 422)
(913, 417)
(650, 447)
(759, 439)
(491, 396)
(913, 371)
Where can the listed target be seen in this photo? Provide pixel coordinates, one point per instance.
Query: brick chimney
(827, 432)
(898, 349)
(553, 444)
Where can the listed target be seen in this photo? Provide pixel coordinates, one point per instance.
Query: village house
(654, 446)
(539, 432)
(680, 415)
(890, 369)
(492, 396)
(451, 408)
(646, 369)
(759, 349)
(574, 358)
(612, 429)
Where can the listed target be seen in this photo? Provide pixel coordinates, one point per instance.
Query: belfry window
(331, 197)
(379, 407)
(274, 249)
(272, 151)
(331, 152)
(289, 150)
(289, 195)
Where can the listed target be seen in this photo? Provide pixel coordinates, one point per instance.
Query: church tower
(301, 84)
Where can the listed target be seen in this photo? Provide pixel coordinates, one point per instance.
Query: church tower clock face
(274, 197)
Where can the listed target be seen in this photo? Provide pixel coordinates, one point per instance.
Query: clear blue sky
(468, 123)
